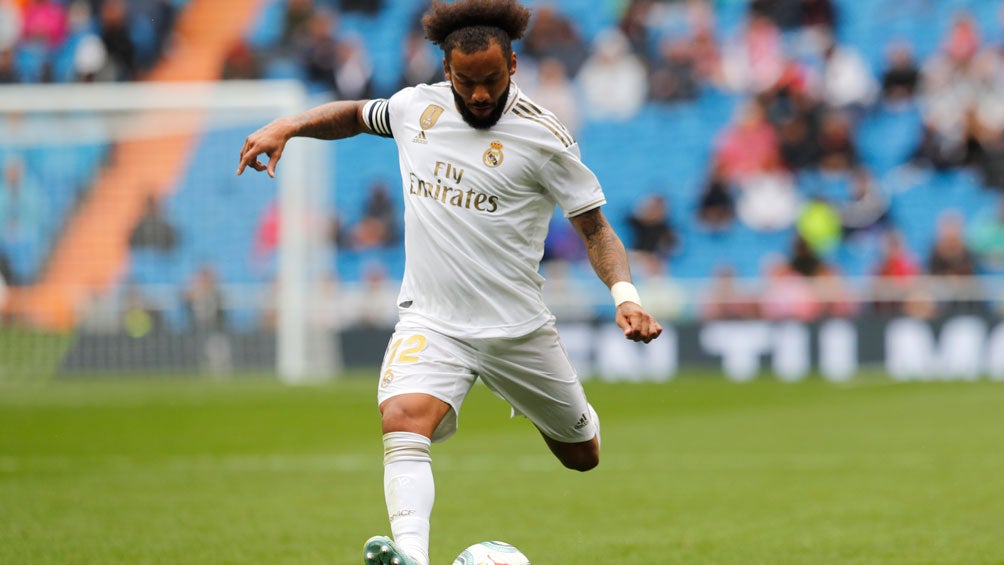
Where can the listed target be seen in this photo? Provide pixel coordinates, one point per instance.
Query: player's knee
(583, 459)
(408, 417)
(397, 418)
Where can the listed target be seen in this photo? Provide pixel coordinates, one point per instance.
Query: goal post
(91, 158)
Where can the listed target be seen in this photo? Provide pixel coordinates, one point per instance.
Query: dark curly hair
(471, 25)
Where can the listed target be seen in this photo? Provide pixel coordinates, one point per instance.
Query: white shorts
(532, 373)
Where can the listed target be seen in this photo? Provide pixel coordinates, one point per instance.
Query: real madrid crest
(493, 156)
(387, 378)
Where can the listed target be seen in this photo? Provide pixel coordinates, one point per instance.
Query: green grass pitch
(696, 471)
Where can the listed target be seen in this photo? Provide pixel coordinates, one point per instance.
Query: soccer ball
(491, 553)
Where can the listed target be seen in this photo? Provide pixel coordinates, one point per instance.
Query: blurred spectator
(613, 79)
(985, 237)
(749, 145)
(754, 62)
(295, 23)
(353, 73)
(652, 235)
(963, 38)
(90, 60)
(154, 231)
(787, 294)
(422, 64)
(553, 90)
(634, 25)
(895, 290)
(818, 226)
(45, 22)
(204, 301)
(799, 147)
(847, 82)
(242, 62)
(114, 26)
(551, 35)
(338, 233)
(716, 205)
(951, 259)
(948, 89)
(950, 256)
(800, 122)
(206, 308)
(378, 226)
(705, 50)
(672, 74)
(838, 151)
(985, 127)
(318, 50)
(768, 200)
(8, 70)
(266, 236)
(901, 75)
(796, 91)
(896, 261)
(727, 300)
(804, 259)
(867, 207)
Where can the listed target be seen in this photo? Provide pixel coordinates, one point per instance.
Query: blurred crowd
(801, 95)
(83, 40)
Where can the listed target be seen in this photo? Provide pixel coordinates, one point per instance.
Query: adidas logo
(420, 138)
(583, 421)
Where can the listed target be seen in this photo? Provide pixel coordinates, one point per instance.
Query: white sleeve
(570, 182)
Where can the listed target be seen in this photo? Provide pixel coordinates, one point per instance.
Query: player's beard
(475, 121)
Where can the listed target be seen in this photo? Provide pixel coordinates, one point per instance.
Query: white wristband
(624, 291)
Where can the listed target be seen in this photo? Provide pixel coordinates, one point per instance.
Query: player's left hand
(638, 325)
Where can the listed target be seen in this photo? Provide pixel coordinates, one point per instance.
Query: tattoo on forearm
(336, 120)
(605, 249)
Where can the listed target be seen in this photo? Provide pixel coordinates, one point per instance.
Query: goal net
(130, 245)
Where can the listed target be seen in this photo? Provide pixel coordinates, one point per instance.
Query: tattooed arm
(610, 261)
(335, 120)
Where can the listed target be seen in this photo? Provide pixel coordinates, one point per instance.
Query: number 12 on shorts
(406, 349)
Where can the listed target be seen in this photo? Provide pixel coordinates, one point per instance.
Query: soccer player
(483, 168)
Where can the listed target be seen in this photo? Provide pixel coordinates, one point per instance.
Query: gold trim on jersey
(586, 207)
(525, 109)
(515, 96)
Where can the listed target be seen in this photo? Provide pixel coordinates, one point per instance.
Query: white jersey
(477, 208)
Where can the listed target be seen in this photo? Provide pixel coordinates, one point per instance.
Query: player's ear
(446, 68)
(512, 64)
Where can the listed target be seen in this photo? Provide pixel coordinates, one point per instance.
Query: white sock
(409, 490)
(596, 423)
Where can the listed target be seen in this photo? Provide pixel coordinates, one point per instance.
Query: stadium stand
(665, 148)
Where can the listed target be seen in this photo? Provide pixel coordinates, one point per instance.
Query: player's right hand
(270, 141)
